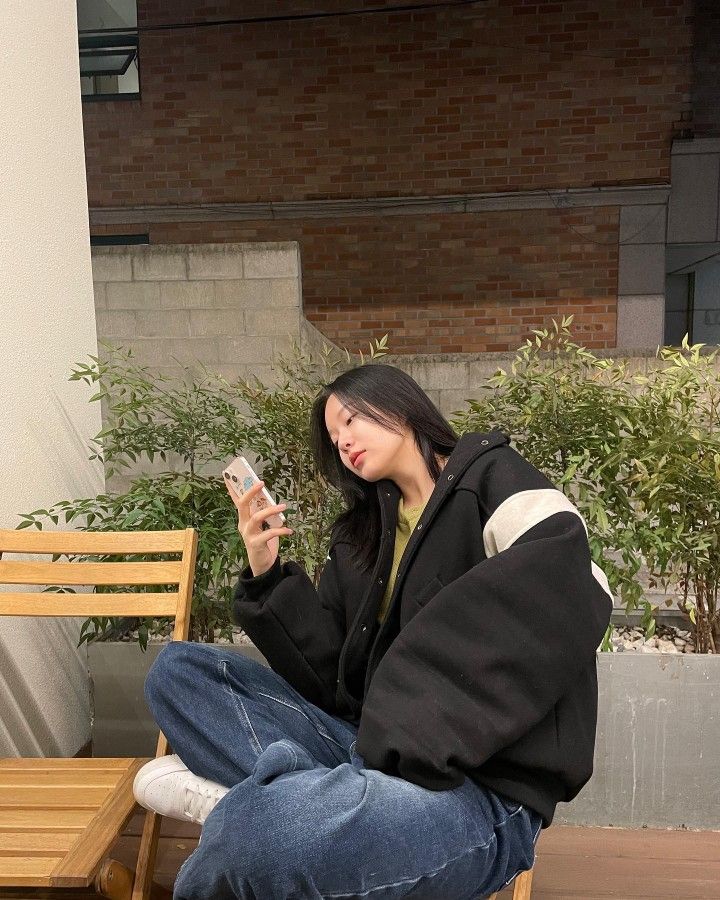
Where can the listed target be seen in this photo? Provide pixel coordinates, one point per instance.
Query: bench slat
(36, 843)
(96, 778)
(78, 797)
(27, 871)
(45, 819)
(90, 573)
(54, 763)
(77, 869)
(49, 604)
(27, 541)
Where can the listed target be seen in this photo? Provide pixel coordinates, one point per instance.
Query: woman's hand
(262, 545)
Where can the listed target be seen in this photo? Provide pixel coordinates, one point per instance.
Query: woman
(427, 707)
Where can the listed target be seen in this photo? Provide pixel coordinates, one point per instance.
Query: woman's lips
(357, 459)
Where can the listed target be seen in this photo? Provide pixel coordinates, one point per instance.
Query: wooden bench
(521, 886)
(59, 818)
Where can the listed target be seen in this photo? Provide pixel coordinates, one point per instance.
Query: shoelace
(200, 800)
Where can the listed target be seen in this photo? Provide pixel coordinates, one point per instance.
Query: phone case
(240, 476)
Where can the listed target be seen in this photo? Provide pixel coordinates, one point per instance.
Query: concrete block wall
(231, 307)
(641, 276)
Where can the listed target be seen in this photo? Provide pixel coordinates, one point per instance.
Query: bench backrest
(80, 558)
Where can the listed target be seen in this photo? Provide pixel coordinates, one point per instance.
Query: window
(108, 38)
(118, 240)
(692, 293)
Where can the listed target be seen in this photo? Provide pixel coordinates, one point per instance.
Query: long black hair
(394, 400)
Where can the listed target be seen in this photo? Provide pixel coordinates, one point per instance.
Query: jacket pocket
(428, 591)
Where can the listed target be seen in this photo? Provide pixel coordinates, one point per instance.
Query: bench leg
(114, 881)
(521, 887)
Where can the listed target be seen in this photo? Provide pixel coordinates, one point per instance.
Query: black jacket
(485, 664)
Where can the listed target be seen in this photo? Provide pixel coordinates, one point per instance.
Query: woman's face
(366, 448)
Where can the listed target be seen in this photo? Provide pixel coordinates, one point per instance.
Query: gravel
(667, 639)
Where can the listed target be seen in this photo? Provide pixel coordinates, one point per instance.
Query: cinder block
(275, 293)
(245, 350)
(176, 351)
(133, 295)
(111, 267)
(113, 324)
(100, 295)
(269, 375)
(435, 397)
(271, 263)
(640, 321)
(273, 321)
(452, 401)
(158, 323)
(213, 322)
(187, 294)
(231, 372)
(215, 264)
(479, 370)
(642, 224)
(159, 264)
(693, 206)
(641, 269)
(284, 292)
(447, 376)
(414, 366)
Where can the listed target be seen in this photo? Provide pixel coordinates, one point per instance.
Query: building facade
(454, 176)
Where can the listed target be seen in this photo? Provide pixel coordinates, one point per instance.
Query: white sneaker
(165, 785)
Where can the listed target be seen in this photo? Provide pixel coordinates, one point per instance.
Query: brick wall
(505, 96)
(446, 283)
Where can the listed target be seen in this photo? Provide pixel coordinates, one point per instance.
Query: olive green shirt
(407, 520)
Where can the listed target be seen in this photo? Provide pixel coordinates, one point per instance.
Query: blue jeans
(304, 818)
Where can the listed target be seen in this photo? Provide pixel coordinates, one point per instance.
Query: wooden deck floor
(572, 864)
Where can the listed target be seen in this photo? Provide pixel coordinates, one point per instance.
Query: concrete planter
(656, 756)
(658, 744)
(121, 722)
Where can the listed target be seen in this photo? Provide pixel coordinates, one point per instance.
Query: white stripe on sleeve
(521, 512)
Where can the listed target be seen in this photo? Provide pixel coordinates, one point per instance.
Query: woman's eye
(350, 420)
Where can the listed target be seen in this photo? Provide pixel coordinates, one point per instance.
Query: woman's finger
(266, 512)
(242, 501)
(263, 537)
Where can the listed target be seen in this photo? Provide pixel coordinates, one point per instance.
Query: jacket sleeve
(299, 629)
(492, 652)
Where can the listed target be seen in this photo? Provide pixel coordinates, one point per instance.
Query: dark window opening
(113, 240)
(108, 40)
(692, 293)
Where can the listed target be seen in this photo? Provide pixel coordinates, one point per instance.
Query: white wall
(47, 323)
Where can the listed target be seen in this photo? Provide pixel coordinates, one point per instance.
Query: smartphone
(240, 476)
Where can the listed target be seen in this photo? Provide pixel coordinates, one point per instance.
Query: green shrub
(670, 459)
(638, 454)
(566, 412)
(204, 421)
